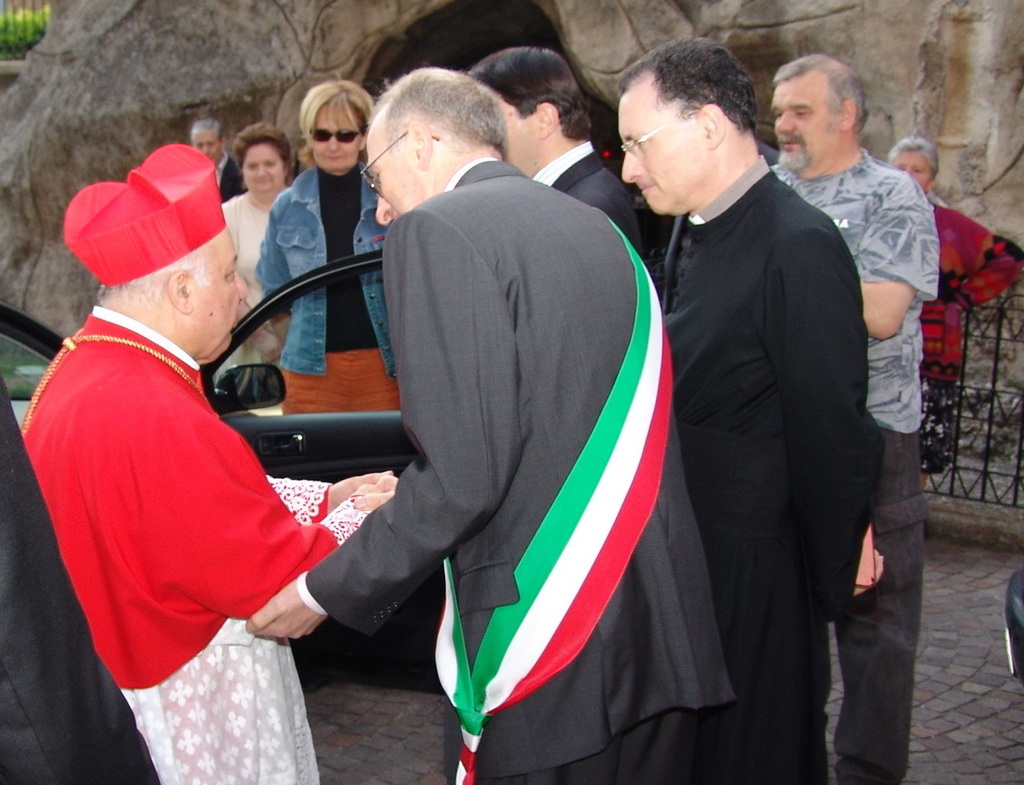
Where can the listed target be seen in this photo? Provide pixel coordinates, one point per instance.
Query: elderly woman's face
(335, 156)
(916, 165)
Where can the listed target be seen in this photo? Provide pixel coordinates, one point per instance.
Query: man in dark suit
(208, 137)
(230, 179)
(515, 310)
(63, 721)
(549, 130)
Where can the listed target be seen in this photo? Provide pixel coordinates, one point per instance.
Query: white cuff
(313, 605)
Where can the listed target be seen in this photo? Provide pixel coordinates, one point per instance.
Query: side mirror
(244, 387)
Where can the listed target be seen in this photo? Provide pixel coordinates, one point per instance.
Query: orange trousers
(355, 382)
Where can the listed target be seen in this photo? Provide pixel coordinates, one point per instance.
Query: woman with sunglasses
(337, 350)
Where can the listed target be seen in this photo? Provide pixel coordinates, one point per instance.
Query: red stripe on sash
(597, 588)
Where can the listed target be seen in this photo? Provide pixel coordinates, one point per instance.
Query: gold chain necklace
(70, 344)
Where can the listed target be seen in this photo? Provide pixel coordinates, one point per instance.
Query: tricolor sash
(571, 568)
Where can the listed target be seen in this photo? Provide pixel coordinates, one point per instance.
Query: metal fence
(988, 456)
(22, 24)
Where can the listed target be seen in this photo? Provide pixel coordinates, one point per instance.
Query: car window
(22, 367)
(263, 329)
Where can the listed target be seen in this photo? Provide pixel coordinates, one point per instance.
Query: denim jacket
(295, 244)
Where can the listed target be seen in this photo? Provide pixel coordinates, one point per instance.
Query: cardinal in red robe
(170, 530)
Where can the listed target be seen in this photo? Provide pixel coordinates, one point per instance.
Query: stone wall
(115, 78)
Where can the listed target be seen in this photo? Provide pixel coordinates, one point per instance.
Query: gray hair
(917, 144)
(843, 83)
(147, 290)
(452, 101)
(206, 125)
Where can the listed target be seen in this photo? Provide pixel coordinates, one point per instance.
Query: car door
(322, 446)
(329, 446)
(26, 348)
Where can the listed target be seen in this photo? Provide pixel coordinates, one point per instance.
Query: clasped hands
(367, 491)
(286, 615)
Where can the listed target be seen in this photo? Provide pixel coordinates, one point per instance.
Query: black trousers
(658, 751)
(877, 636)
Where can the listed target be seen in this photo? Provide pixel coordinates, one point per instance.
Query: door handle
(281, 444)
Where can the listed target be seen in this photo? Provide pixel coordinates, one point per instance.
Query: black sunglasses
(323, 135)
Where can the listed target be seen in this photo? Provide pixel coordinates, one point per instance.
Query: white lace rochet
(234, 714)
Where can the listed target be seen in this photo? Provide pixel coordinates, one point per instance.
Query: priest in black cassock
(769, 349)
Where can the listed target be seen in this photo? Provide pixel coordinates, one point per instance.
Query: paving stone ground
(968, 724)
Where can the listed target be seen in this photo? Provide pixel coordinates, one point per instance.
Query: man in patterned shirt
(819, 110)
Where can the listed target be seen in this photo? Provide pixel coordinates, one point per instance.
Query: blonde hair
(341, 95)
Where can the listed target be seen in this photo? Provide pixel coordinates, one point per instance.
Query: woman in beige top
(264, 155)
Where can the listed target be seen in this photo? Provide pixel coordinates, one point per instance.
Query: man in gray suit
(578, 638)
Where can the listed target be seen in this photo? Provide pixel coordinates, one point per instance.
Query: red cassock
(164, 516)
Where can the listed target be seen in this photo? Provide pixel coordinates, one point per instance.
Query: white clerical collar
(148, 333)
(465, 168)
(732, 194)
(556, 168)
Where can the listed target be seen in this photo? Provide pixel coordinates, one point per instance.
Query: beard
(796, 161)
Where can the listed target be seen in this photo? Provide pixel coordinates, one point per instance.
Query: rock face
(115, 78)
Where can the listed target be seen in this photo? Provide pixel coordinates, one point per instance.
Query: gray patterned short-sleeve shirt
(890, 228)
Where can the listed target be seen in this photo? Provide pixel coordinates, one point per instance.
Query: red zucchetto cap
(168, 207)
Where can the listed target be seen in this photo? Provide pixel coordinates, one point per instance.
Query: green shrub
(20, 30)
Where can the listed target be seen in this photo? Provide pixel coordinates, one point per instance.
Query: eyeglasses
(372, 179)
(634, 146)
(323, 135)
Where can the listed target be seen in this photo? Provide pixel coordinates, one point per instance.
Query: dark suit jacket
(589, 181)
(63, 721)
(230, 181)
(511, 306)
